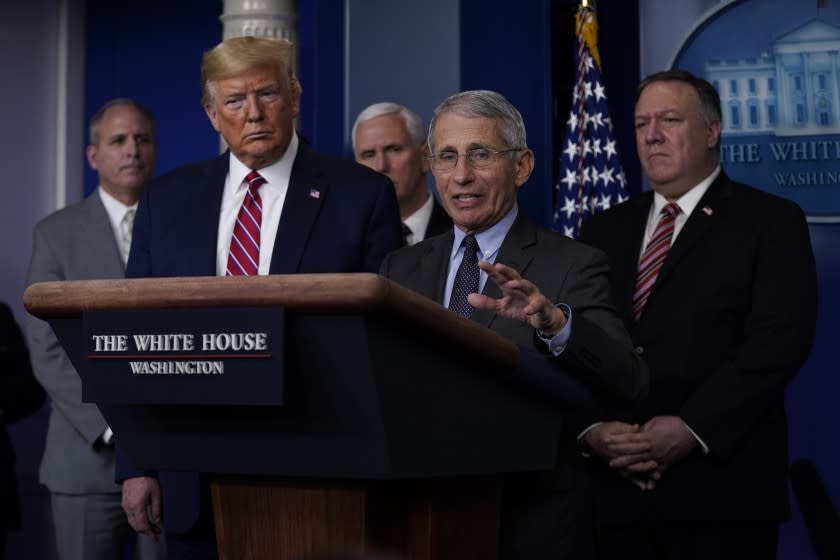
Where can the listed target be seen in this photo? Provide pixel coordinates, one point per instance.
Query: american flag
(591, 177)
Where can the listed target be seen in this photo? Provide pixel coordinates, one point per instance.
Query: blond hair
(240, 54)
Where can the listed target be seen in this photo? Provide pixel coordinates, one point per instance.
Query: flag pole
(591, 177)
(580, 95)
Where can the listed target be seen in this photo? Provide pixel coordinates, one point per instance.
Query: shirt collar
(418, 221)
(277, 173)
(116, 210)
(490, 239)
(687, 202)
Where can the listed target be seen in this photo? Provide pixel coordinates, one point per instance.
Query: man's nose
(253, 107)
(131, 146)
(463, 171)
(380, 162)
(653, 133)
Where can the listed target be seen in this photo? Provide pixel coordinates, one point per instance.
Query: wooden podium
(398, 418)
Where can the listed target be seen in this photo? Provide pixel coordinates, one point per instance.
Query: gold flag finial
(587, 25)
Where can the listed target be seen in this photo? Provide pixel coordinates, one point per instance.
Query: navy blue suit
(338, 216)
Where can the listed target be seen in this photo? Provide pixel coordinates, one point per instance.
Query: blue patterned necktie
(466, 279)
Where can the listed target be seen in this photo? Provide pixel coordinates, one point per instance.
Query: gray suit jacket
(599, 351)
(75, 243)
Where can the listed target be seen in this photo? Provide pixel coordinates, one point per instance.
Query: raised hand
(521, 300)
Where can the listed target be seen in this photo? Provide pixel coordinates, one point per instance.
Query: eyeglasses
(477, 157)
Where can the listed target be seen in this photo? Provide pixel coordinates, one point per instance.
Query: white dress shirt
(419, 221)
(273, 195)
(116, 211)
(687, 203)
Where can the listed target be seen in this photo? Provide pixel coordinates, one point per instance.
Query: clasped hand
(641, 453)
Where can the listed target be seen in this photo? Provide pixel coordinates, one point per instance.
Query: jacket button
(640, 350)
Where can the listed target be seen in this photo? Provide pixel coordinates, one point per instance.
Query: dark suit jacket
(439, 221)
(338, 216)
(20, 395)
(728, 324)
(599, 349)
(544, 515)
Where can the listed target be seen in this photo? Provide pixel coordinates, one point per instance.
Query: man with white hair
(389, 138)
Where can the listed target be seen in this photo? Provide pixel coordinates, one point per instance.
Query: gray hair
(485, 103)
(96, 119)
(413, 122)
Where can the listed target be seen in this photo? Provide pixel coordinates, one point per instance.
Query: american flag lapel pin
(315, 193)
(707, 210)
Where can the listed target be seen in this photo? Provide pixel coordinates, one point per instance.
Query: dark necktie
(406, 233)
(655, 252)
(466, 279)
(244, 256)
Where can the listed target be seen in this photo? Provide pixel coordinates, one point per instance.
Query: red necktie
(244, 256)
(653, 257)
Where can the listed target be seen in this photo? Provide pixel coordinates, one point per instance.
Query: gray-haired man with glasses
(547, 293)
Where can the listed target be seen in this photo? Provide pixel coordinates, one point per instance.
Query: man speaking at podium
(547, 292)
(270, 205)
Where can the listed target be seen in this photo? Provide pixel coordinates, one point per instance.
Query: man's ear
(294, 96)
(90, 153)
(212, 115)
(713, 134)
(524, 166)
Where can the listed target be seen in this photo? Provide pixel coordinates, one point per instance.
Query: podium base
(432, 519)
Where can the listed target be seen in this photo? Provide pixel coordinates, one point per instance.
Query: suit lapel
(433, 266)
(625, 261)
(517, 251)
(702, 219)
(97, 226)
(205, 215)
(623, 244)
(308, 189)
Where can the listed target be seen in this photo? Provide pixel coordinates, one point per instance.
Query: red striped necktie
(244, 255)
(653, 257)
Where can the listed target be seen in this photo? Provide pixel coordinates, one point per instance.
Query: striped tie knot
(244, 256)
(672, 209)
(255, 181)
(654, 257)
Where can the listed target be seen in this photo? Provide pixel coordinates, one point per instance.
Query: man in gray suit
(548, 293)
(89, 240)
